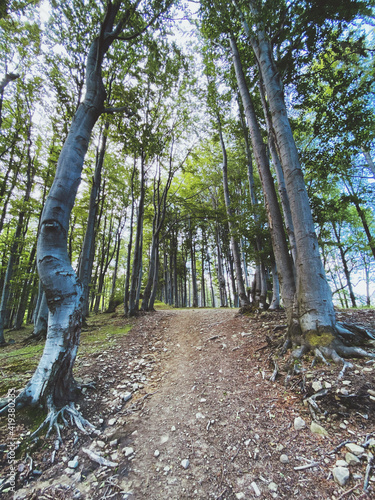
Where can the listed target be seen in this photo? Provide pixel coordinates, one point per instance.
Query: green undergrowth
(18, 361)
(102, 330)
(161, 306)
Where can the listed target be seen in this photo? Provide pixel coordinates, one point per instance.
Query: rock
(318, 429)
(185, 463)
(299, 423)
(113, 443)
(199, 415)
(173, 428)
(341, 463)
(73, 464)
(284, 459)
(256, 489)
(317, 385)
(344, 391)
(352, 459)
(355, 449)
(128, 450)
(240, 496)
(272, 486)
(111, 421)
(346, 382)
(341, 475)
(126, 396)
(101, 444)
(156, 453)
(327, 385)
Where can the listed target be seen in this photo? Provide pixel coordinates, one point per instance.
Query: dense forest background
(153, 219)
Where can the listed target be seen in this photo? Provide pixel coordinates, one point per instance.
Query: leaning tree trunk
(52, 384)
(279, 245)
(314, 299)
(313, 325)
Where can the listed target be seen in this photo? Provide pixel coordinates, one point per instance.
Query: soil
(205, 420)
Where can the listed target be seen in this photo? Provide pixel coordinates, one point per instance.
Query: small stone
(352, 459)
(128, 450)
(299, 423)
(156, 453)
(240, 495)
(173, 428)
(101, 420)
(126, 396)
(185, 463)
(256, 489)
(327, 385)
(344, 391)
(111, 421)
(341, 475)
(113, 443)
(343, 426)
(355, 449)
(371, 392)
(199, 415)
(284, 459)
(341, 463)
(272, 486)
(318, 429)
(101, 444)
(346, 382)
(73, 464)
(317, 386)
(357, 476)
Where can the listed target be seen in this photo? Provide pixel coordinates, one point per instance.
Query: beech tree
(52, 384)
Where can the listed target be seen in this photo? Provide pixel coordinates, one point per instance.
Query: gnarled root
(68, 411)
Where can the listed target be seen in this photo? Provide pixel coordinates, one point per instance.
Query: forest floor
(184, 408)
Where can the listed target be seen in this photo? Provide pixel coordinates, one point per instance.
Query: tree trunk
(243, 300)
(137, 259)
(130, 244)
(275, 303)
(14, 249)
(88, 248)
(52, 384)
(314, 304)
(345, 266)
(220, 273)
(279, 245)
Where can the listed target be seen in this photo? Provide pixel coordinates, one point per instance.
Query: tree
(52, 384)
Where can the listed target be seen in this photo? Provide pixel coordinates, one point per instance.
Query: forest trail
(201, 399)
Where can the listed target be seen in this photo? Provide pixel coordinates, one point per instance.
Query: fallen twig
(339, 447)
(307, 466)
(97, 458)
(368, 470)
(347, 492)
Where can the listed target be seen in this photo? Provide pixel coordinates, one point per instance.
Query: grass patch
(160, 306)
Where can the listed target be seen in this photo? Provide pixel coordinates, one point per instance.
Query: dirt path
(204, 421)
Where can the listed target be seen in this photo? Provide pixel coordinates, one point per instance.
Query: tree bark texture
(279, 245)
(233, 241)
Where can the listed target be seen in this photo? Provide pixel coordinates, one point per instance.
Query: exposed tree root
(69, 411)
